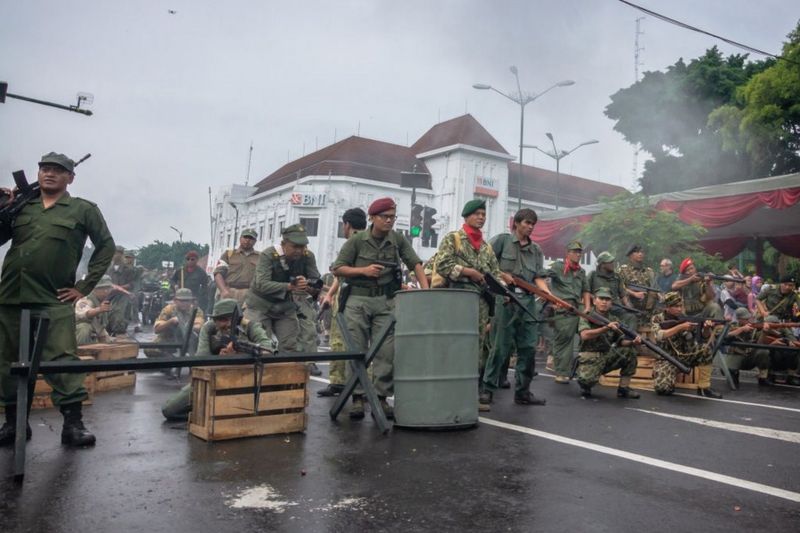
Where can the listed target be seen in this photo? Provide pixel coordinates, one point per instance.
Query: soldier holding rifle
(91, 314)
(749, 358)
(696, 291)
(635, 272)
(782, 301)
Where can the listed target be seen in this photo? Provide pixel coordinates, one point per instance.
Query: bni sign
(308, 199)
(486, 186)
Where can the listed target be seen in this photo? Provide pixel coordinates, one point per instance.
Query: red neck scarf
(474, 235)
(569, 266)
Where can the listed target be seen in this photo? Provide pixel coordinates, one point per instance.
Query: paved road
(574, 465)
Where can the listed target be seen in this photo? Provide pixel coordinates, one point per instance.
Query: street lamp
(521, 99)
(558, 156)
(179, 232)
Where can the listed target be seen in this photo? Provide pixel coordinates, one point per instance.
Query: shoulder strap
(457, 240)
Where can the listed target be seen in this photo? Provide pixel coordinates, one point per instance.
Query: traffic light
(429, 237)
(415, 226)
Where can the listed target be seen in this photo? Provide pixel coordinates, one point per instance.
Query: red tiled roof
(354, 156)
(460, 130)
(539, 185)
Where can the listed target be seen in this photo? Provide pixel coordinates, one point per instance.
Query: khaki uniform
(601, 354)
(269, 301)
(686, 348)
(370, 304)
(174, 333)
(46, 246)
(238, 268)
(90, 330)
(568, 286)
(195, 280)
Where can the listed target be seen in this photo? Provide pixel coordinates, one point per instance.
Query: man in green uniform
(369, 302)
(173, 321)
(192, 277)
(568, 282)
(747, 358)
(47, 239)
(91, 314)
(605, 276)
(353, 221)
(697, 293)
(123, 308)
(282, 270)
(781, 301)
(637, 273)
(214, 340)
(236, 269)
(687, 345)
(517, 255)
(605, 348)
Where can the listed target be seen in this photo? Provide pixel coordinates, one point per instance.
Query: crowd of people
(606, 316)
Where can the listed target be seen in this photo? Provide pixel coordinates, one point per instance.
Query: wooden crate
(111, 351)
(41, 394)
(108, 381)
(222, 401)
(643, 378)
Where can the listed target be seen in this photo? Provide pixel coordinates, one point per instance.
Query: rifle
(720, 278)
(494, 286)
(772, 325)
(627, 309)
(637, 287)
(245, 346)
(599, 320)
(680, 319)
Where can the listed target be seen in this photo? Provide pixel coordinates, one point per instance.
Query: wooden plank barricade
(117, 379)
(222, 401)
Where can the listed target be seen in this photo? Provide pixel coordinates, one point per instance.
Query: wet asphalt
(146, 474)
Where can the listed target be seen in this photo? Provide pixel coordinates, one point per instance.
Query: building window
(281, 225)
(261, 231)
(311, 225)
(271, 231)
(340, 231)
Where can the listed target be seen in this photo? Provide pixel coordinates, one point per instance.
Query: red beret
(380, 205)
(685, 264)
(192, 253)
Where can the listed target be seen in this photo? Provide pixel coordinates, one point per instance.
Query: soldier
(637, 273)
(236, 268)
(91, 314)
(369, 303)
(697, 293)
(353, 221)
(123, 305)
(173, 321)
(747, 358)
(215, 340)
(282, 270)
(604, 349)
(605, 276)
(462, 259)
(517, 255)
(687, 345)
(782, 301)
(192, 277)
(38, 273)
(568, 282)
(783, 359)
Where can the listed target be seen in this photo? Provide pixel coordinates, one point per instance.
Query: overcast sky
(179, 97)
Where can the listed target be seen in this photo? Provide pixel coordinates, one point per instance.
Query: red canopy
(733, 213)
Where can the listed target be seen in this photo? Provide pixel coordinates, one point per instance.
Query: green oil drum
(436, 359)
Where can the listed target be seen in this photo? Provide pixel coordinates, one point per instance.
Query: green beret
(575, 245)
(58, 159)
(104, 283)
(472, 206)
(605, 257)
(251, 233)
(672, 298)
(224, 307)
(295, 234)
(603, 292)
(184, 294)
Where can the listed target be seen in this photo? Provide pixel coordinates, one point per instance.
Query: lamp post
(558, 156)
(179, 232)
(521, 99)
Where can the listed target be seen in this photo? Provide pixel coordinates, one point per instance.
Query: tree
(763, 121)
(629, 218)
(152, 255)
(666, 113)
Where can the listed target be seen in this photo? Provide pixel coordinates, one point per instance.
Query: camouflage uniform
(601, 355)
(685, 347)
(779, 305)
(453, 255)
(695, 301)
(644, 276)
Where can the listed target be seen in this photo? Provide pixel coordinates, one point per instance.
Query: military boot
(331, 390)
(357, 409)
(704, 383)
(8, 433)
(708, 392)
(586, 391)
(74, 433)
(314, 370)
(627, 392)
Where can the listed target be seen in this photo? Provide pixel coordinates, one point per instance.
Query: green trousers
(338, 369)
(60, 346)
(595, 364)
(512, 326)
(179, 405)
(366, 316)
(286, 327)
(565, 326)
(307, 326)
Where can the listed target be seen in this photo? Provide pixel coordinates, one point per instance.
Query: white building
(463, 160)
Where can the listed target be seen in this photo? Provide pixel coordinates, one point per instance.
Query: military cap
(633, 249)
(742, 314)
(224, 307)
(605, 257)
(603, 292)
(250, 233)
(672, 298)
(472, 206)
(104, 283)
(380, 205)
(184, 294)
(58, 159)
(295, 234)
(575, 245)
(788, 278)
(772, 319)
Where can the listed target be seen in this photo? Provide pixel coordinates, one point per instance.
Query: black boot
(74, 432)
(627, 392)
(331, 390)
(586, 392)
(735, 377)
(8, 433)
(709, 393)
(314, 370)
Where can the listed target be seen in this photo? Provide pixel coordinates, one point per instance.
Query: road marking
(652, 461)
(788, 436)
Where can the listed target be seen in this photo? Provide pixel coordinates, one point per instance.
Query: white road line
(652, 461)
(321, 380)
(788, 436)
